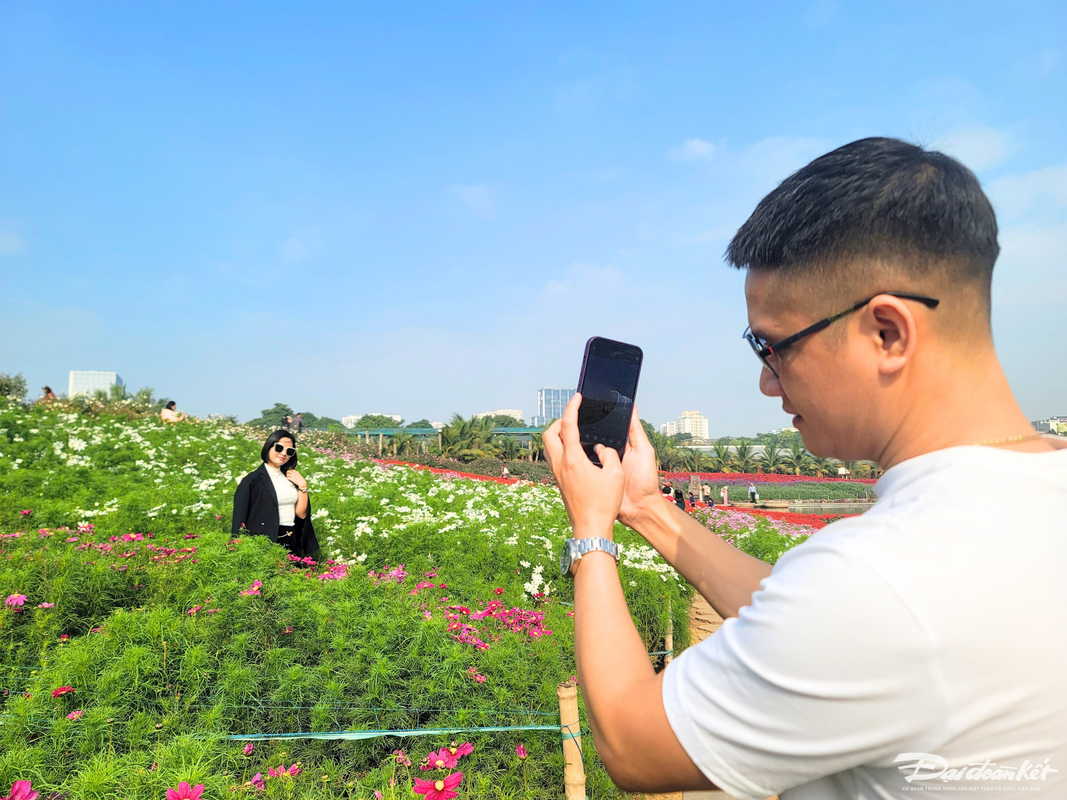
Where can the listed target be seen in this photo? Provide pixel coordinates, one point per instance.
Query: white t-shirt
(936, 623)
(287, 496)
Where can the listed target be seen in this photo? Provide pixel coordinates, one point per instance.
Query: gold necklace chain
(1023, 437)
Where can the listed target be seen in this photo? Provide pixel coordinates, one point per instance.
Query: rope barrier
(377, 734)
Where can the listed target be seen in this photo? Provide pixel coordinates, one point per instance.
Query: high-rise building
(90, 381)
(693, 422)
(668, 428)
(550, 405)
(516, 413)
(351, 420)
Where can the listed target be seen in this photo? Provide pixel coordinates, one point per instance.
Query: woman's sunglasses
(289, 451)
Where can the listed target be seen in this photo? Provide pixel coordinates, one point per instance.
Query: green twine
(376, 734)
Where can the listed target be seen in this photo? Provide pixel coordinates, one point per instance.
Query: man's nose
(769, 384)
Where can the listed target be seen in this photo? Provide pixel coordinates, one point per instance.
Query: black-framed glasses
(280, 448)
(764, 350)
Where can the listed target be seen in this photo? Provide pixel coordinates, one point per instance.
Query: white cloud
(978, 148)
(479, 199)
(302, 245)
(693, 150)
(1043, 190)
(11, 243)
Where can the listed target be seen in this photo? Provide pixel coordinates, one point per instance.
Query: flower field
(138, 632)
(778, 487)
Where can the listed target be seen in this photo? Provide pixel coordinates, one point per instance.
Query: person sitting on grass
(906, 644)
(169, 413)
(273, 499)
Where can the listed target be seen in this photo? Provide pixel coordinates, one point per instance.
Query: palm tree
(666, 450)
(468, 439)
(744, 459)
(771, 458)
(692, 459)
(537, 446)
(508, 447)
(721, 457)
(402, 443)
(797, 459)
(824, 466)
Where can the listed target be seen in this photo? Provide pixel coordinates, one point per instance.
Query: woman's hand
(297, 479)
(640, 478)
(591, 494)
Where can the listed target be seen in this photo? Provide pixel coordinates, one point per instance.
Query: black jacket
(255, 504)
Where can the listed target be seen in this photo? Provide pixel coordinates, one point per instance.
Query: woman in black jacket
(273, 500)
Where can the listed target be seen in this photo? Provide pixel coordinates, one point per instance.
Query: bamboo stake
(574, 769)
(379, 444)
(668, 640)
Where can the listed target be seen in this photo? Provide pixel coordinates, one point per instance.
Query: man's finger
(569, 423)
(552, 442)
(609, 457)
(637, 431)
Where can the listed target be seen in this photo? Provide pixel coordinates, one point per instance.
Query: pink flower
(192, 611)
(62, 690)
(498, 591)
(441, 759)
(253, 589)
(75, 715)
(249, 748)
(218, 516)
(378, 795)
(440, 789)
(464, 749)
(281, 771)
(520, 751)
(257, 782)
(401, 758)
(21, 790)
(287, 631)
(185, 792)
(26, 513)
(46, 605)
(14, 601)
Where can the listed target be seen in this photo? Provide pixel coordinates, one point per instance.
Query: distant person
(298, 422)
(752, 495)
(287, 422)
(273, 501)
(505, 472)
(705, 495)
(668, 491)
(678, 499)
(170, 413)
(47, 393)
(725, 496)
(692, 499)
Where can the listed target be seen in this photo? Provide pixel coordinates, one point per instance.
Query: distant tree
(419, 423)
(377, 421)
(649, 430)
(681, 437)
(12, 386)
(272, 417)
(505, 421)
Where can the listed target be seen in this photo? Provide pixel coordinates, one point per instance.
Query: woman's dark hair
(678, 494)
(272, 440)
(46, 389)
(170, 405)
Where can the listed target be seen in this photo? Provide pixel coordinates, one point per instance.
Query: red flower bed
(760, 477)
(454, 473)
(814, 520)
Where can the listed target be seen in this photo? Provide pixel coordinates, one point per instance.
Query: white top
(933, 626)
(287, 496)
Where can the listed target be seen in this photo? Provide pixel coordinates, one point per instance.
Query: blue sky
(427, 208)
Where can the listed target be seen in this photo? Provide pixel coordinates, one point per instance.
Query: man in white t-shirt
(916, 650)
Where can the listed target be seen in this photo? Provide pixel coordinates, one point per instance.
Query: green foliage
(419, 423)
(271, 418)
(506, 421)
(12, 386)
(160, 685)
(377, 421)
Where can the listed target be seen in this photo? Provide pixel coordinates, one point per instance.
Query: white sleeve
(826, 670)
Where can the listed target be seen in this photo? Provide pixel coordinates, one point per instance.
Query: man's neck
(976, 406)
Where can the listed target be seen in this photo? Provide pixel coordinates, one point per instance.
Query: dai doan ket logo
(927, 767)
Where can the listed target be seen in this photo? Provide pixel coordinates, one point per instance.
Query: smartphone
(608, 385)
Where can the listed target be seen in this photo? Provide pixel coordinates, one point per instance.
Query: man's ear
(892, 331)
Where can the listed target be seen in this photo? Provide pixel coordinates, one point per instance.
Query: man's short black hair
(877, 198)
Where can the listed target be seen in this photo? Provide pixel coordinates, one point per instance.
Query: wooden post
(439, 440)
(573, 768)
(379, 443)
(668, 640)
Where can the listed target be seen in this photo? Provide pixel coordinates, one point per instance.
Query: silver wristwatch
(574, 549)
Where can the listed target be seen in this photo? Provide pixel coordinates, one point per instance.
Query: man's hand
(640, 478)
(591, 494)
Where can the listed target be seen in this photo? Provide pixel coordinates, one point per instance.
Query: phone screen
(608, 385)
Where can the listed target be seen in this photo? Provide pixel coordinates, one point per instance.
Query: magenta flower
(282, 772)
(21, 790)
(520, 751)
(464, 749)
(75, 715)
(378, 795)
(185, 792)
(249, 748)
(440, 789)
(498, 591)
(441, 759)
(62, 690)
(14, 601)
(253, 589)
(26, 513)
(257, 782)
(46, 605)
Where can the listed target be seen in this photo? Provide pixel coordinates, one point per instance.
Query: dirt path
(703, 622)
